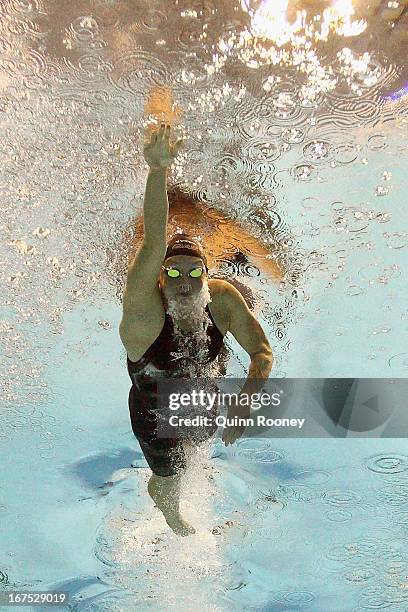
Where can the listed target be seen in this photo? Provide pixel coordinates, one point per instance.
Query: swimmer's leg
(165, 492)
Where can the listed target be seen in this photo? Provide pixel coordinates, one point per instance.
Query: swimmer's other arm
(250, 335)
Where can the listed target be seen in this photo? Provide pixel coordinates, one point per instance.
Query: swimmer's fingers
(154, 137)
(161, 135)
(150, 139)
(175, 149)
(158, 152)
(226, 436)
(232, 433)
(156, 134)
(166, 135)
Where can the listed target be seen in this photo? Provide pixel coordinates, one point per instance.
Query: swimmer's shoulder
(218, 287)
(228, 297)
(219, 290)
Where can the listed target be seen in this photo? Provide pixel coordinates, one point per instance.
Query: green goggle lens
(174, 273)
(196, 273)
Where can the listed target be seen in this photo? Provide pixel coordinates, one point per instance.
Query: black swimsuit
(165, 456)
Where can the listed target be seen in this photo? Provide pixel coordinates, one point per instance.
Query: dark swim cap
(183, 244)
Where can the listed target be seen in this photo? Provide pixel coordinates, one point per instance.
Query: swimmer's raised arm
(159, 154)
(155, 210)
(144, 270)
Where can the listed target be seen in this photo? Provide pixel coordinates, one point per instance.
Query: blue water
(315, 524)
(281, 524)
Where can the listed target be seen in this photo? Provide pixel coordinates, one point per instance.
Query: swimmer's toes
(187, 529)
(181, 527)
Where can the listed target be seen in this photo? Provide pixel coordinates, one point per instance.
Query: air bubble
(380, 190)
(41, 232)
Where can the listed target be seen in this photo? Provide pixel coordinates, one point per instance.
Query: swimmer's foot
(175, 521)
(179, 525)
(170, 512)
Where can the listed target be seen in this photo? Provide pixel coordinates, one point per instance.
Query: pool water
(304, 148)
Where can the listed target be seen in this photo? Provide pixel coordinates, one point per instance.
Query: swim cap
(183, 244)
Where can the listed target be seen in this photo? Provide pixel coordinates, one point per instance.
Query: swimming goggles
(175, 273)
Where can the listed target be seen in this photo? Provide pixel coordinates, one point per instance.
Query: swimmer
(169, 302)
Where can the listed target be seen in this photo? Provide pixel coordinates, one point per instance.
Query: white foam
(191, 346)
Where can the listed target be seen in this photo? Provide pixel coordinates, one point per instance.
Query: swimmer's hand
(232, 433)
(235, 430)
(158, 152)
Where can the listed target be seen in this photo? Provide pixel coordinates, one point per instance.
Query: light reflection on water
(294, 169)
